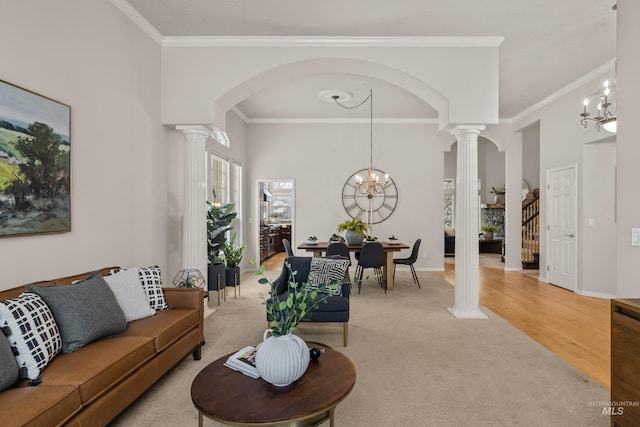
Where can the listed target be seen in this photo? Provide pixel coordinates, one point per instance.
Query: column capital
(467, 129)
(194, 129)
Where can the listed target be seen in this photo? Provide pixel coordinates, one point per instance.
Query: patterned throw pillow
(32, 332)
(151, 279)
(326, 270)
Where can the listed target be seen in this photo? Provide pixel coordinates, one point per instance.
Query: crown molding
(285, 41)
(139, 20)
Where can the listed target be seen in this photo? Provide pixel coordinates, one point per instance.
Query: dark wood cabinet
(625, 362)
(264, 242)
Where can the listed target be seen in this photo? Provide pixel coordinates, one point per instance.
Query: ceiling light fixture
(605, 118)
(370, 185)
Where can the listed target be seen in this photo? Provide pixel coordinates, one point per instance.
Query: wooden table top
(321, 246)
(233, 398)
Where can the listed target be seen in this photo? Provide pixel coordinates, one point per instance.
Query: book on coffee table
(244, 361)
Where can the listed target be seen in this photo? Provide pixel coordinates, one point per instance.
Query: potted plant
(488, 230)
(336, 238)
(354, 230)
(219, 217)
(497, 194)
(232, 256)
(283, 357)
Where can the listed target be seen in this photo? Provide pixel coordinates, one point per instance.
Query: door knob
(570, 235)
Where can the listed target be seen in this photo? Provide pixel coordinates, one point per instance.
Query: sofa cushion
(166, 327)
(84, 311)
(127, 288)
(9, 371)
(39, 406)
(32, 331)
(323, 271)
(99, 366)
(151, 279)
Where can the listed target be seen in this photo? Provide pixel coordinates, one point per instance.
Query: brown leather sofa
(92, 385)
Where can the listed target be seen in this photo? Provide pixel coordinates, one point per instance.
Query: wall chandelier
(604, 118)
(370, 185)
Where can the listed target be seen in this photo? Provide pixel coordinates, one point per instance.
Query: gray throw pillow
(84, 311)
(8, 364)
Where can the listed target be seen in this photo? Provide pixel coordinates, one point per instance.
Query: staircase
(531, 230)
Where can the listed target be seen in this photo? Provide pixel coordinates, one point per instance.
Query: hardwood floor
(574, 327)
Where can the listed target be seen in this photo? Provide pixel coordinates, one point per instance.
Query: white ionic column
(194, 221)
(467, 297)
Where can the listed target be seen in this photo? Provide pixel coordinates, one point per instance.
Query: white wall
(628, 149)
(320, 158)
(88, 55)
(598, 229)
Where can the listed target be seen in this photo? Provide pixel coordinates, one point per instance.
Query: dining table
(318, 248)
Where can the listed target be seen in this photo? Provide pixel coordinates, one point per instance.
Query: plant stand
(216, 280)
(233, 279)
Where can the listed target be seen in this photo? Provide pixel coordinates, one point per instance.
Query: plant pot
(488, 235)
(353, 238)
(281, 360)
(216, 277)
(232, 276)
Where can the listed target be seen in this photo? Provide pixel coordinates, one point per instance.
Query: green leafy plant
(295, 305)
(219, 217)
(355, 224)
(232, 254)
(314, 238)
(489, 227)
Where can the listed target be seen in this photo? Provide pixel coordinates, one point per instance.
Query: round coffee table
(230, 397)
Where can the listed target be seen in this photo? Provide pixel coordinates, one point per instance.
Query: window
(218, 178)
(281, 206)
(235, 194)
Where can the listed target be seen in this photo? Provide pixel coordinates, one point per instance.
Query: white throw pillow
(126, 286)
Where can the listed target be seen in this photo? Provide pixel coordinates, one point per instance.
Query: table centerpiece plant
(354, 229)
(283, 357)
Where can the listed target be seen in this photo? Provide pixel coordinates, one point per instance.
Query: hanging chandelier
(604, 118)
(370, 185)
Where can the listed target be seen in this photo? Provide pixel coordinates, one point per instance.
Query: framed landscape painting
(35, 163)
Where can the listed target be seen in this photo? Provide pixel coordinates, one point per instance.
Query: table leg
(387, 271)
(317, 253)
(199, 419)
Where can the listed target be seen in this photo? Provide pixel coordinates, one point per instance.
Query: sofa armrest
(187, 298)
(184, 298)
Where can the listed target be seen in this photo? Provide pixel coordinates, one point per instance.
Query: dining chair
(338, 248)
(371, 256)
(287, 247)
(410, 260)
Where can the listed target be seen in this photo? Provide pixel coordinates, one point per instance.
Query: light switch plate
(635, 237)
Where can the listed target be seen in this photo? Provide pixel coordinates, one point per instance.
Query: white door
(561, 227)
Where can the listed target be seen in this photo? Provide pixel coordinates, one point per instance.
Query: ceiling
(547, 44)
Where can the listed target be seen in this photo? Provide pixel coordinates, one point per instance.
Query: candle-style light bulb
(585, 103)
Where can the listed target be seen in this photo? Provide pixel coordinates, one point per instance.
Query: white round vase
(281, 360)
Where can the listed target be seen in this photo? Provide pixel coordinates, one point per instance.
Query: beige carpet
(416, 365)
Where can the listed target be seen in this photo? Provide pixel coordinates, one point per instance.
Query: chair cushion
(97, 367)
(151, 278)
(84, 311)
(32, 332)
(9, 371)
(128, 290)
(166, 327)
(325, 271)
(39, 406)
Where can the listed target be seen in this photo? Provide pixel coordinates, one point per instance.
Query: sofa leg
(197, 353)
(345, 333)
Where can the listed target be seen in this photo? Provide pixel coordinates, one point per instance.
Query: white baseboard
(594, 294)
